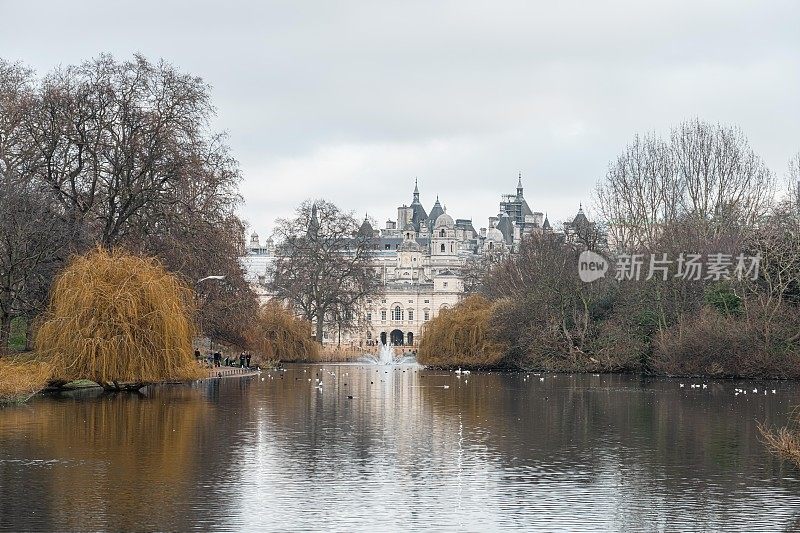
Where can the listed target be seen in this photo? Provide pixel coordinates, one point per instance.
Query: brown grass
(20, 381)
(277, 334)
(115, 318)
(783, 442)
(459, 336)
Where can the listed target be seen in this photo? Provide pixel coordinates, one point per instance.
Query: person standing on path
(247, 358)
(241, 360)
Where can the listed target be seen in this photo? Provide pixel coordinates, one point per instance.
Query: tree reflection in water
(490, 450)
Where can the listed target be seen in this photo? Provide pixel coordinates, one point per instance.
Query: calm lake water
(413, 448)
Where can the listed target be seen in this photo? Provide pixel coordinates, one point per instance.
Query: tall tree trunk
(5, 332)
(320, 325)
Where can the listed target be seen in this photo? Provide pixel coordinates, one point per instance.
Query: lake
(411, 448)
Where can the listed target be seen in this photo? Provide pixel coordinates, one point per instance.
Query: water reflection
(377, 448)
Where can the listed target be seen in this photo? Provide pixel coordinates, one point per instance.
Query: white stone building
(419, 257)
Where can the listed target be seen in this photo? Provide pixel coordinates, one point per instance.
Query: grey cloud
(351, 100)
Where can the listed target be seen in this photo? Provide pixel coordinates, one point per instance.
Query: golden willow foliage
(115, 317)
(19, 381)
(460, 336)
(277, 334)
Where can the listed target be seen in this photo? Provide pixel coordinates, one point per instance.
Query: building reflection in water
(382, 447)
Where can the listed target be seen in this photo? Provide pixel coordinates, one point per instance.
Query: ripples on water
(413, 448)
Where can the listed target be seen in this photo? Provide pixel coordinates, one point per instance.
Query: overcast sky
(349, 101)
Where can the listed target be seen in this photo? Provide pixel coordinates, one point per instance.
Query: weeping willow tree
(120, 320)
(278, 334)
(460, 336)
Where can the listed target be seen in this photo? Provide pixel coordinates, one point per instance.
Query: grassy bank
(21, 379)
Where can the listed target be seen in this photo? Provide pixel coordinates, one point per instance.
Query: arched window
(451, 247)
(442, 248)
(397, 313)
(441, 233)
(491, 245)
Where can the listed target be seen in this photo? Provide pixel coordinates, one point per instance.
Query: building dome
(444, 221)
(494, 235)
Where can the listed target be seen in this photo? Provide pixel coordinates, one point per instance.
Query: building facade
(420, 257)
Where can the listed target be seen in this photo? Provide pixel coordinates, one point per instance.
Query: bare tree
(323, 266)
(115, 140)
(793, 178)
(724, 181)
(32, 236)
(777, 243)
(33, 243)
(640, 192)
(122, 155)
(705, 173)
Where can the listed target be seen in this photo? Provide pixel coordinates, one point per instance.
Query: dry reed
(118, 318)
(277, 334)
(785, 441)
(20, 381)
(460, 336)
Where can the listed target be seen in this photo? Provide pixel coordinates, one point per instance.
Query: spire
(546, 223)
(416, 191)
(519, 185)
(313, 224)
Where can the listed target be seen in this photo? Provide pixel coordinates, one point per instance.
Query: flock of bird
(318, 384)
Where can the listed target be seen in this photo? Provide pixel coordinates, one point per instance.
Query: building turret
(366, 230)
(313, 224)
(443, 237)
(436, 212)
(580, 219)
(414, 213)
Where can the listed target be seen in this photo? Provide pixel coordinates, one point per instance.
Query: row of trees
(704, 174)
(700, 191)
(117, 154)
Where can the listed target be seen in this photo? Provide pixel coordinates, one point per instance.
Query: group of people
(214, 359)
